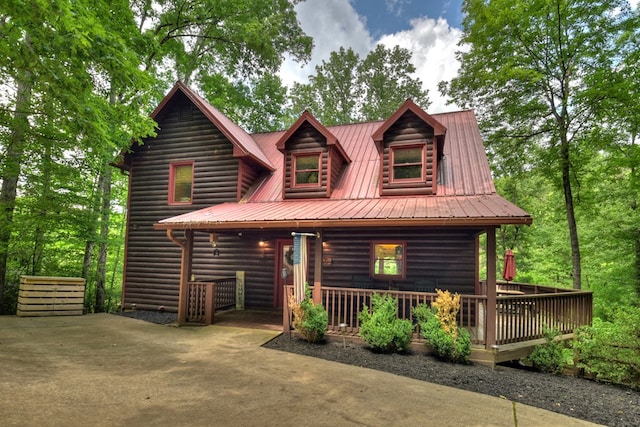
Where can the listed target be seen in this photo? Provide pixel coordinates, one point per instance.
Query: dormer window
(307, 169)
(409, 143)
(408, 163)
(313, 159)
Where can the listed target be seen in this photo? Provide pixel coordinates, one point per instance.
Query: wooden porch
(521, 314)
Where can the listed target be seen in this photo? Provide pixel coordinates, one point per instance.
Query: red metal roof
(397, 211)
(243, 144)
(465, 191)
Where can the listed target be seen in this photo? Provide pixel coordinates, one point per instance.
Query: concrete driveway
(109, 370)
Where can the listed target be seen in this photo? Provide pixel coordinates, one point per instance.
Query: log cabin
(395, 206)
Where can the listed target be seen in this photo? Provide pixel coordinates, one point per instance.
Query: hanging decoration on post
(299, 266)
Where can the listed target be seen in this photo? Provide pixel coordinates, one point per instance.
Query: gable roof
(438, 129)
(466, 195)
(307, 117)
(243, 144)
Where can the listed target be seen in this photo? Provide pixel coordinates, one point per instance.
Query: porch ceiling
(485, 210)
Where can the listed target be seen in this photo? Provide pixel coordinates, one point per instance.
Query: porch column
(491, 287)
(185, 274)
(317, 270)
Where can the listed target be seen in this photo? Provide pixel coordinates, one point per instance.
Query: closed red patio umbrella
(509, 269)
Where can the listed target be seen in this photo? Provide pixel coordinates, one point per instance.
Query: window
(306, 170)
(408, 163)
(181, 183)
(389, 259)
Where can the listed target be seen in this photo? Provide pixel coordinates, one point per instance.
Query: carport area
(111, 370)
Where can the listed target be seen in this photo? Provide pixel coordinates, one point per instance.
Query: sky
(429, 29)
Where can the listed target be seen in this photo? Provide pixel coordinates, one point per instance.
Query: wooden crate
(50, 296)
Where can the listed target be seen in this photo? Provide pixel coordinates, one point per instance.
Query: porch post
(317, 270)
(185, 274)
(491, 287)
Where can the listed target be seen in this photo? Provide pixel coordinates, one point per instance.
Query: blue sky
(390, 16)
(429, 29)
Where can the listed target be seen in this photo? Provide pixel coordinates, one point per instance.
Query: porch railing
(518, 317)
(204, 298)
(525, 317)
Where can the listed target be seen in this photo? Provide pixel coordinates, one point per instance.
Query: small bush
(381, 328)
(548, 357)
(309, 319)
(610, 350)
(439, 327)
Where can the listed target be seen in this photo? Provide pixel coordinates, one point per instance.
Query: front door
(284, 270)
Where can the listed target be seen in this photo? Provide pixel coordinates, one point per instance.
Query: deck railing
(518, 317)
(526, 317)
(206, 297)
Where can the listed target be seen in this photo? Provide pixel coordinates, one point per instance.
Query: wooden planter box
(50, 296)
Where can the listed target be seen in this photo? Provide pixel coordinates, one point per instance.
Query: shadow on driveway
(110, 370)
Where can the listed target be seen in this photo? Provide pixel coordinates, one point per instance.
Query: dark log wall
(240, 251)
(408, 129)
(306, 138)
(249, 175)
(152, 261)
(435, 257)
(337, 166)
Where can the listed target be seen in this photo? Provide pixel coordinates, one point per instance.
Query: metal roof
(390, 211)
(466, 195)
(243, 144)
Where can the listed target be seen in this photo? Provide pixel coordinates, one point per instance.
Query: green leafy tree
(59, 59)
(386, 80)
(190, 39)
(535, 70)
(257, 105)
(332, 94)
(346, 88)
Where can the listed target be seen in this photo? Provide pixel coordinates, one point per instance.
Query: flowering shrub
(439, 327)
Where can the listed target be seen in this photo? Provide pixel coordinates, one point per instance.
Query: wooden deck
(521, 318)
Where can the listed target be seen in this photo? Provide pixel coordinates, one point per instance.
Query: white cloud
(335, 23)
(332, 24)
(433, 44)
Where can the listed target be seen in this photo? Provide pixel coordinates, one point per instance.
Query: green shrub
(548, 357)
(309, 319)
(610, 350)
(381, 328)
(453, 346)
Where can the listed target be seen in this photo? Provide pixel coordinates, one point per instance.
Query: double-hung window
(306, 170)
(388, 260)
(181, 183)
(408, 163)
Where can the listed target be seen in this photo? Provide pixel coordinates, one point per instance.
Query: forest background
(554, 83)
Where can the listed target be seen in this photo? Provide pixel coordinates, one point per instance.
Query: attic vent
(186, 112)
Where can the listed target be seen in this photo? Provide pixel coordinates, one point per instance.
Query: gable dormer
(410, 143)
(313, 159)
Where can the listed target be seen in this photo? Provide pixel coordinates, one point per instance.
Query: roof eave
(344, 223)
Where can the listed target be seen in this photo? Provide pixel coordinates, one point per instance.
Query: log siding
(412, 131)
(152, 272)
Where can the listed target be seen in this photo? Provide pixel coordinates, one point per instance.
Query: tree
(257, 105)
(58, 59)
(386, 82)
(535, 70)
(346, 89)
(234, 38)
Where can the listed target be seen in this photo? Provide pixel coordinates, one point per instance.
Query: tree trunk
(43, 206)
(105, 212)
(11, 166)
(571, 216)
